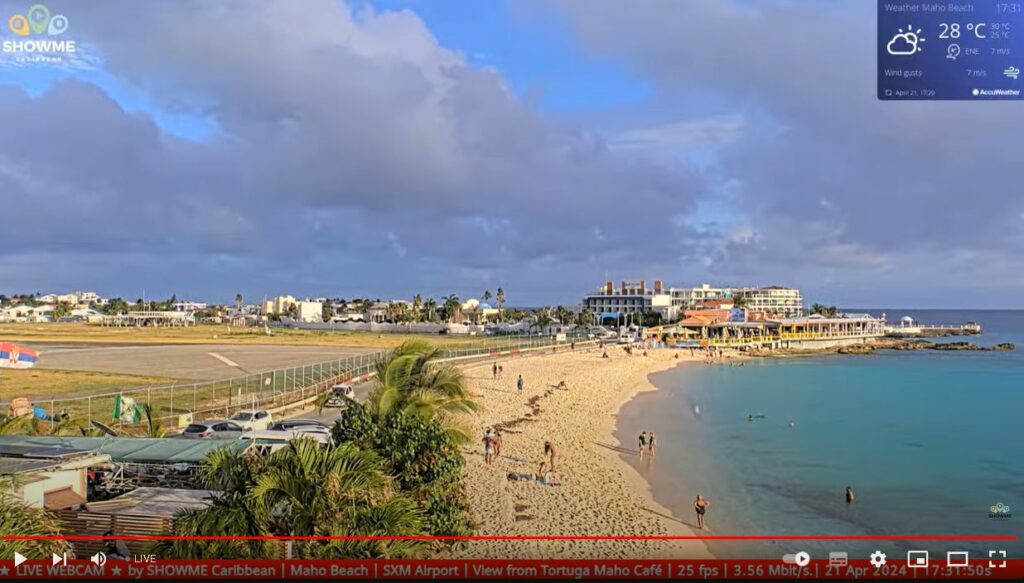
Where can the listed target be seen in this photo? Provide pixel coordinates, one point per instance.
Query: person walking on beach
(519, 384)
(501, 371)
(494, 371)
(497, 444)
(701, 505)
(651, 444)
(643, 443)
(488, 446)
(549, 450)
(849, 495)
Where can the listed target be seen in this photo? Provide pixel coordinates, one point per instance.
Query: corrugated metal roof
(13, 466)
(148, 501)
(132, 449)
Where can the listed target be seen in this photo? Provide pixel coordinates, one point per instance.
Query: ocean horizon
(929, 441)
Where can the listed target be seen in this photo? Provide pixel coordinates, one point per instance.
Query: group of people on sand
(648, 442)
(497, 371)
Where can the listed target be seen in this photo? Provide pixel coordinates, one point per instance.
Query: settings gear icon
(877, 559)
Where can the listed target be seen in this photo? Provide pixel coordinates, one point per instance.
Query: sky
(382, 149)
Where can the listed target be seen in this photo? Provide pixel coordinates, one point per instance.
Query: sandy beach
(600, 495)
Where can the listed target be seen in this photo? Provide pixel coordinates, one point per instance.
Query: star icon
(116, 571)
(4, 571)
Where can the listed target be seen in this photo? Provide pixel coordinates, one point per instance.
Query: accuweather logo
(40, 27)
(999, 510)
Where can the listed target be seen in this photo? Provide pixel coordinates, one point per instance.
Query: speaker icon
(99, 559)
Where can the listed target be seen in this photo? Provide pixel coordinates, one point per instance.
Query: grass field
(35, 382)
(218, 334)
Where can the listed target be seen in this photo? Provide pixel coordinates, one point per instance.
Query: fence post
(88, 407)
(194, 404)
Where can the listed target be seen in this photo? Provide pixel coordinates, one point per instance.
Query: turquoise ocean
(929, 441)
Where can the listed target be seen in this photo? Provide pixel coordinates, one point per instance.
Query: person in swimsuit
(701, 505)
(651, 444)
(549, 450)
(643, 443)
(494, 370)
(849, 495)
(497, 443)
(519, 384)
(488, 446)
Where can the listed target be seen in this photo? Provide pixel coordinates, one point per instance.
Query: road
(329, 416)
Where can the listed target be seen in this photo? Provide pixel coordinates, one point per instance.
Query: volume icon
(99, 559)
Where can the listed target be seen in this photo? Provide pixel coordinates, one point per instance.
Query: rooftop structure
(630, 298)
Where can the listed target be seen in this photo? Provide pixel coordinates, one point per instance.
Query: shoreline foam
(602, 495)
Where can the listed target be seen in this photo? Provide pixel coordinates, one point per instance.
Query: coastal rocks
(857, 349)
(954, 346)
(917, 344)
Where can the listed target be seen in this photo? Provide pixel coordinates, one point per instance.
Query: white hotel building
(636, 297)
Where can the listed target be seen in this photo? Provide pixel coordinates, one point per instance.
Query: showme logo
(999, 510)
(38, 22)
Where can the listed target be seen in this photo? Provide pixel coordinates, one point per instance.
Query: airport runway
(186, 361)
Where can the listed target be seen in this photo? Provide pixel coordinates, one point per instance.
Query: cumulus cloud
(903, 182)
(354, 154)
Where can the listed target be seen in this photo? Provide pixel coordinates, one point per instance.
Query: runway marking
(225, 360)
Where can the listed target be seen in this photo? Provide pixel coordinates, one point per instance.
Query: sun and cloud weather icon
(905, 43)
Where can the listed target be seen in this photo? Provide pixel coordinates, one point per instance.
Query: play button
(18, 559)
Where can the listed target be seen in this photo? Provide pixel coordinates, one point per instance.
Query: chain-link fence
(264, 390)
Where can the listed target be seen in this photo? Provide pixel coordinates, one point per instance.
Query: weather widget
(950, 50)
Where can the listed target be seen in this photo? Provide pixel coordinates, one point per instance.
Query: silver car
(213, 429)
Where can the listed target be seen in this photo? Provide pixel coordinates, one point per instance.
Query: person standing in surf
(701, 505)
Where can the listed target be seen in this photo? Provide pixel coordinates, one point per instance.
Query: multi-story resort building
(636, 297)
(773, 299)
(630, 298)
(693, 297)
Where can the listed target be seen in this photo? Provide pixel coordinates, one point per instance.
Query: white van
(269, 441)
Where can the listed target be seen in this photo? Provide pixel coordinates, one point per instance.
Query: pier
(909, 328)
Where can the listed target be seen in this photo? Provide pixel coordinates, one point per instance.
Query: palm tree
(452, 307)
(17, 519)
(565, 315)
(26, 425)
(417, 307)
(153, 428)
(487, 295)
(410, 379)
(544, 318)
(584, 318)
(302, 489)
(500, 300)
(430, 310)
(238, 301)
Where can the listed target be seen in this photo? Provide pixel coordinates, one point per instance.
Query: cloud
(351, 146)
(904, 182)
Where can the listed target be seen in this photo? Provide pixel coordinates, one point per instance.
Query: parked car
(339, 395)
(272, 441)
(213, 429)
(289, 424)
(253, 419)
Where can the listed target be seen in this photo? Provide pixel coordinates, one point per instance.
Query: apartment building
(630, 298)
(783, 301)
